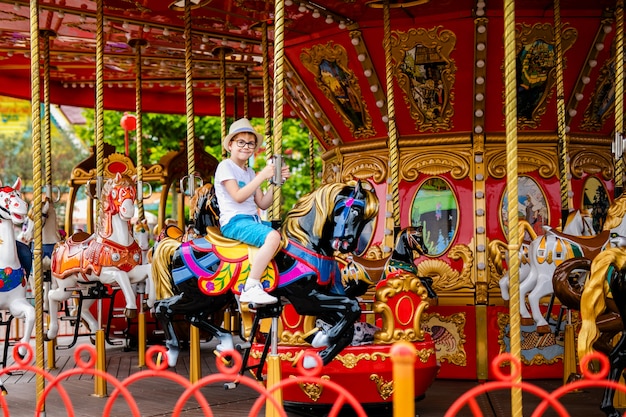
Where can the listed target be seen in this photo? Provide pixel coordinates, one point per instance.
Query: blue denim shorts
(247, 229)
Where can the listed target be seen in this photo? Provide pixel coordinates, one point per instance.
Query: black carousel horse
(199, 277)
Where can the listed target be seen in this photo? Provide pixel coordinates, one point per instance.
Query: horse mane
(615, 213)
(322, 200)
(203, 191)
(103, 227)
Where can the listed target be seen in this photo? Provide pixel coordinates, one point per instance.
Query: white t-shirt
(228, 170)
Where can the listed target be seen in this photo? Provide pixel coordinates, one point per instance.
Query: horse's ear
(118, 177)
(18, 184)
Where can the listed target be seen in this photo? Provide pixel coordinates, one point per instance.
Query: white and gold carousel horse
(13, 273)
(111, 255)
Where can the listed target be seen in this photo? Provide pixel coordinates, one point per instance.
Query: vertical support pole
(279, 82)
(403, 359)
(267, 109)
(273, 371)
(100, 384)
(618, 147)
(512, 193)
(36, 142)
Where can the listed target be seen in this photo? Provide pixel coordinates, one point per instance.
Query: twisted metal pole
(564, 177)
(223, 97)
(138, 44)
(619, 98)
(36, 142)
(279, 77)
(512, 192)
(267, 109)
(394, 151)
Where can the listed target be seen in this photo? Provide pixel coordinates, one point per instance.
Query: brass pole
(564, 177)
(222, 52)
(510, 108)
(194, 333)
(100, 385)
(36, 141)
(619, 98)
(394, 151)
(279, 77)
(267, 109)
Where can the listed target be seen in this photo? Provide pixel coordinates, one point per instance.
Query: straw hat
(240, 126)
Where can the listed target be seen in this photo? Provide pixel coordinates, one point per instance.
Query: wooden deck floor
(156, 396)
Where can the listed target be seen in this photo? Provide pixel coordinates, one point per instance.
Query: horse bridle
(348, 204)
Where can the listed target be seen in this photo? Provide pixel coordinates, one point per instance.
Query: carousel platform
(157, 397)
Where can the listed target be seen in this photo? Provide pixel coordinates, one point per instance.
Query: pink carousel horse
(13, 211)
(110, 255)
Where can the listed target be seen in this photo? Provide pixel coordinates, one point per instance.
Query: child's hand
(267, 172)
(284, 172)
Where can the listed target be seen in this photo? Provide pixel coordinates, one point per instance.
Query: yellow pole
(100, 384)
(619, 98)
(279, 82)
(37, 183)
(512, 193)
(403, 359)
(273, 371)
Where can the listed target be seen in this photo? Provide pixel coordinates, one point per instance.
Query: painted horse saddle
(85, 254)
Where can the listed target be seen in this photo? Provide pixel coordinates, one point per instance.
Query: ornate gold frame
(336, 54)
(440, 44)
(527, 35)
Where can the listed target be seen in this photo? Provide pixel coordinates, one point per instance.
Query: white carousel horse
(13, 211)
(539, 259)
(111, 255)
(49, 235)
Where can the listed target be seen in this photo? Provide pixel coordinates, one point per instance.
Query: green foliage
(163, 133)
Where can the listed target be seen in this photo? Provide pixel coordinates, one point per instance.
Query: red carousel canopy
(335, 60)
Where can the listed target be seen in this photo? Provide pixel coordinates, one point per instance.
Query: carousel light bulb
(65, 85)
(593, 63)
(373, 88)
(480, 12)
(480, 80)
(572, 112)
(388, 232)
(298, 87)
(289, 74)
(599, 46)
(10, 54)
(308, 100)
(478, 159)
(480, 247)
(480, 4)
(479, 177)
(586, 80)
(335, 141)
(146, 28)
(315, 14)
(480, 194)
(385, 119)
(326, 128)
(479, 113)
(342, 25)
(607, 28)
(302, 8)
(224, 42)
(355, 41)
(386, 249)
(16, 7)
(480, 97)
(481, 29)
(205, 39)
(288, 3)
(480, 212)
(480, 230)
(82, 18)
(579, 96)
(478, 129)
(329, 19)
(361, 57)
(317, 115)
(61, 14)
(73, 85)
(481, 266)
(243, 45)
(480, 63)
(480, 46)
(367, 72)
(380, 104)
(125, 25)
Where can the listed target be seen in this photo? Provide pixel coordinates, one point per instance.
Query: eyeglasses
(243, 144)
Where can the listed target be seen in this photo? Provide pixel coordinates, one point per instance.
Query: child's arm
(252, 188)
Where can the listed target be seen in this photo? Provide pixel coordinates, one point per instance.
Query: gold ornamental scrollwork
(366, 165)
(529, 160)
(329, 65)
(446, 278)
(536, 69)
(601, 102)
(312, 390)
(426, 74)
(435, 162)
(592, 163)
(384, 388)
(448, 333)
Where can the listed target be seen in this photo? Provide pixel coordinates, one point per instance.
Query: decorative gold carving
(366, 165)
(297, 338)
(435, 162)
(530, 341)
(449, 336)
(329, 65)
(312, 390)
(394, 288)
(590, 162)
(426, 75)
(445, 278)
(600, 105)
(529, 160)
(536, 70)
(481, 294)
(385, 388)
(496, 258)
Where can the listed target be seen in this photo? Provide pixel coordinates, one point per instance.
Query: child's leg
(263, 257)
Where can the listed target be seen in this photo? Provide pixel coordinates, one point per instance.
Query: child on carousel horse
(239, 195)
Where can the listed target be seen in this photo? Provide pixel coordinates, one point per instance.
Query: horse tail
(161, 274)
(592, 301)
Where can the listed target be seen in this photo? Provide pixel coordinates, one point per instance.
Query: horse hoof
(309, 362)
(3, 390)
(527, 321)
(544, 329)
(130, 313)
(320, 340)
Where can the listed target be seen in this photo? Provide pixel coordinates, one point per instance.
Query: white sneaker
(257, 295)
